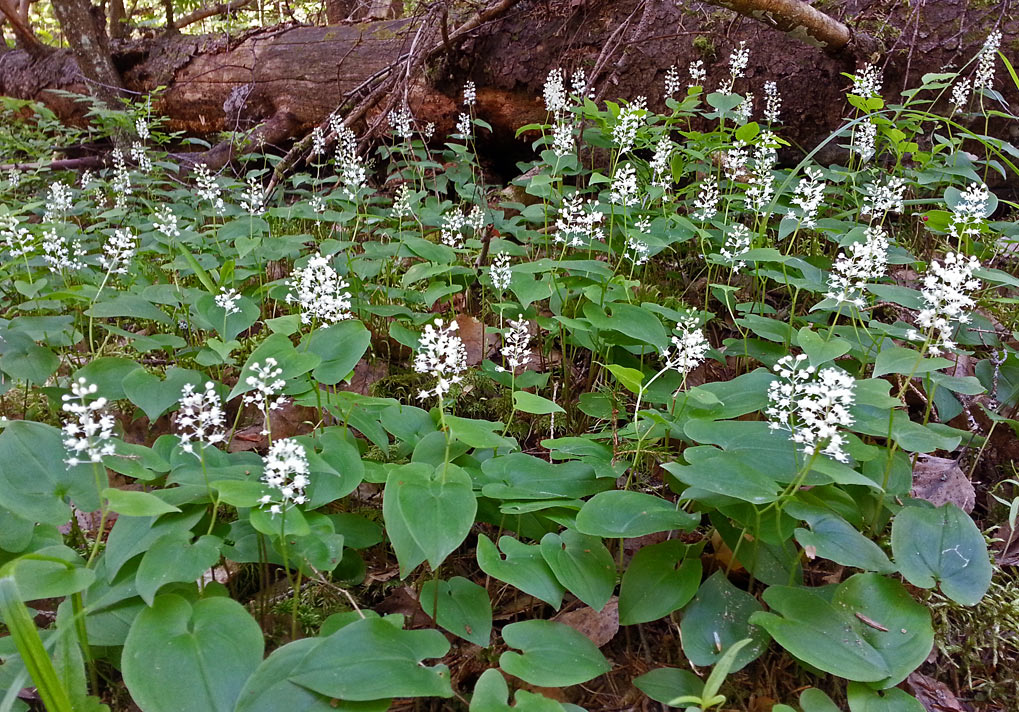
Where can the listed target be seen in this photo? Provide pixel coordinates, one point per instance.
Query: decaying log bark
(293, 77)
(89, 43)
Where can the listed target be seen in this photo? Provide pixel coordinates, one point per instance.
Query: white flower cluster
(166, 222)
(556, 99)
(17, 239)
(809, 195)
(320, 292)
(227, 301)
(623, 189)
(762, 180)
(577, 224)
(946, 296)
(267, 386)
(500, 272)
(672, 82)
(470, 94)
(745, 109)
(208, 189)
(286, 469)
(689, 347)
(865, 261)
(400, 120)
(868, 82)
(624, 133)
(442, 355)
(455, 222)
(960, 93)
(62, 254)
(737, 243)
(661, 163)
(201, 418)
(811, 405)
(883, 198)
(141, 127)
(253, 198)
(353, 171)
(738, 61)
(968, 213)
(516, 348)
(706, 203)
(58, 202)
(984, 76)
(141, 157)
(87, 435)
(401, 203)
(697, 73)
(121, 182)
(562, 137)
(772, 102)
(636, 249)
(463, 125)
(735, 159)
(865, 140)
(118, 251)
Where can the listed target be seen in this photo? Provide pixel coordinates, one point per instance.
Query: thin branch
(22, 30)
(219, 9)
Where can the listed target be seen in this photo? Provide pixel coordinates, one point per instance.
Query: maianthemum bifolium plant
(667, 339)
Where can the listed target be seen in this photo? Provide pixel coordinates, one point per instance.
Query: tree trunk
(87, 38)
(294, 77)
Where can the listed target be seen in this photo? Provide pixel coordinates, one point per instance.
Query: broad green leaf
(174, 558)
(819, 350)
(133, 503)
(724, 473)
(435, 505)
(865, 699)
(197, 656)
(832, 537)
(270, 690)
(340, 346)
(659, 579)
(293, 363)
(527, 402)
(50, 572)
(521, 476)
(631, 378)
(523, 568)
(813, 700)
(155, 396)
(666, 684)
(622, 514)
(460, 606)
(491, 694)
(131, 536)
(898, 359)
(128, 305)
(478, 433)
(942, 546)
(228, 326)
(582, 565)
(717, 619)
(554, 654)
(372, 659)
(870, 631)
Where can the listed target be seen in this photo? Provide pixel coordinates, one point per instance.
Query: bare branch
(26, 37)
(795, 18)
(219, 9)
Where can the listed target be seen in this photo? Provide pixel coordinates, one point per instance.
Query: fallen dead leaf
(479, 340)
(940, 480)
(935, 696)
(600, 626)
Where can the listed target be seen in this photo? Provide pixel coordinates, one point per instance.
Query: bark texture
(87, 36)
(293, 77)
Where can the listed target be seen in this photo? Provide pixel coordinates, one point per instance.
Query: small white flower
(809, 195)
(227, 301)
(286, 470)
(17, 239)
(812, 406)
(58, 201)
(706, 203)
(865, 140)
(141, 157)
(689, 347)
(562, 137)
(121, 183)
(141, 127)
(624, 185)
(166, 222)
(697, 73)
(868, 82)
(735, 159)
(500, 272)
(61, 254)
(401, 120)
(266, 387)
(401, 203)
(864, 262)
(960, 93)
(661, 163)
(208, 189)
(201, 418)
(442, 355)
(353, 171)
(984, 76)
(946, 295)
(772, 102)
(737, 243)
(968, 213)
(320, 292)
(118, 251)
(738, 61)
(554, 92)
(577, 224)
(516, 348)
(578, 84)
(672, 82)
(624, 133)
(470, 94)
(885, 197)
(253, 198)
(87, 435)
(463, 125)
(762, 180)
(745, 110)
